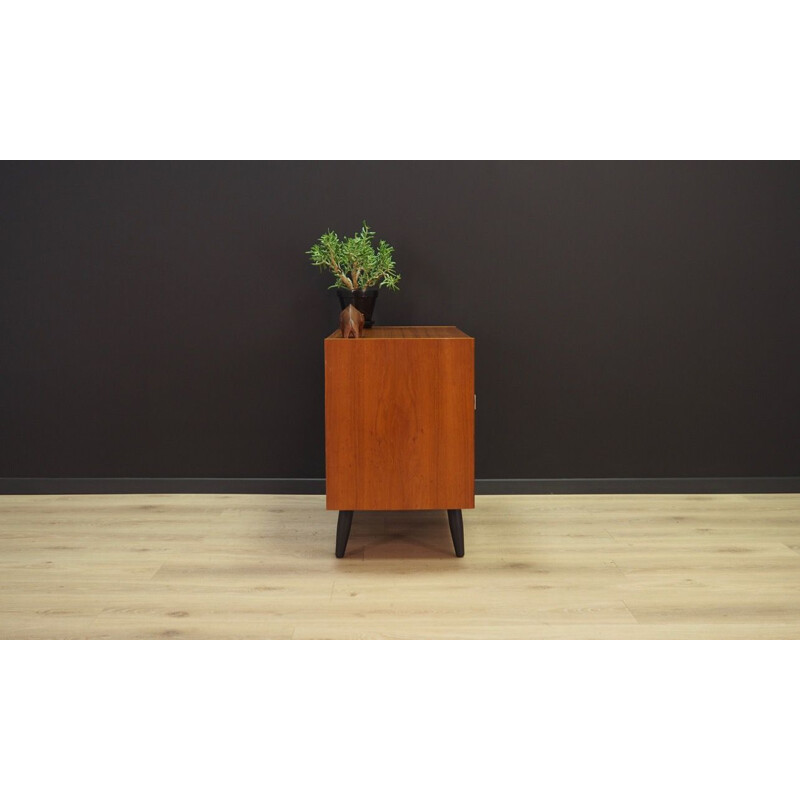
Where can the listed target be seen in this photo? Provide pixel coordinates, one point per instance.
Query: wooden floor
(537, 567)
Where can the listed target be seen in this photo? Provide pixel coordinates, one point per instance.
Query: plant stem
(339, 270)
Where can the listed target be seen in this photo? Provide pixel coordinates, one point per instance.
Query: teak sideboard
(400, 424)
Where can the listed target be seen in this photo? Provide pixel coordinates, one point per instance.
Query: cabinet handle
(475, 398)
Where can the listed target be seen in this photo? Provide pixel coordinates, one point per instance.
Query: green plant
(354, 262)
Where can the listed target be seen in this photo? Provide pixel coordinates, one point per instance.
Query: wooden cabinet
(399, 423)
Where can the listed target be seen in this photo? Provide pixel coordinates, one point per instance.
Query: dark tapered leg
(456, 530)
(343, 532)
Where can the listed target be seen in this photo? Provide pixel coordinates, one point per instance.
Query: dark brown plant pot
(362, 299)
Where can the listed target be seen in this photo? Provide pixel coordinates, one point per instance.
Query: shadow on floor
(400, 535)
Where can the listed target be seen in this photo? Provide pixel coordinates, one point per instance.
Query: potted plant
(358, 267)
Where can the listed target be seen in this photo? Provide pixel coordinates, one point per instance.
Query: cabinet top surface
(409, 332)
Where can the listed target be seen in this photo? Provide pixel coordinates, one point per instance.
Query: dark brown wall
(633, 320)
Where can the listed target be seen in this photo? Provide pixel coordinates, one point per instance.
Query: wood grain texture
(410, 332)
(351, 323)
(399, 420)
(261, 567)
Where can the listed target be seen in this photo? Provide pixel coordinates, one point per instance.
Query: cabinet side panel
(340, 452)
(457, 424)
(400, 452)
(399, 424)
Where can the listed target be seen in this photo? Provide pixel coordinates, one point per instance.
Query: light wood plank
(537, 567)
